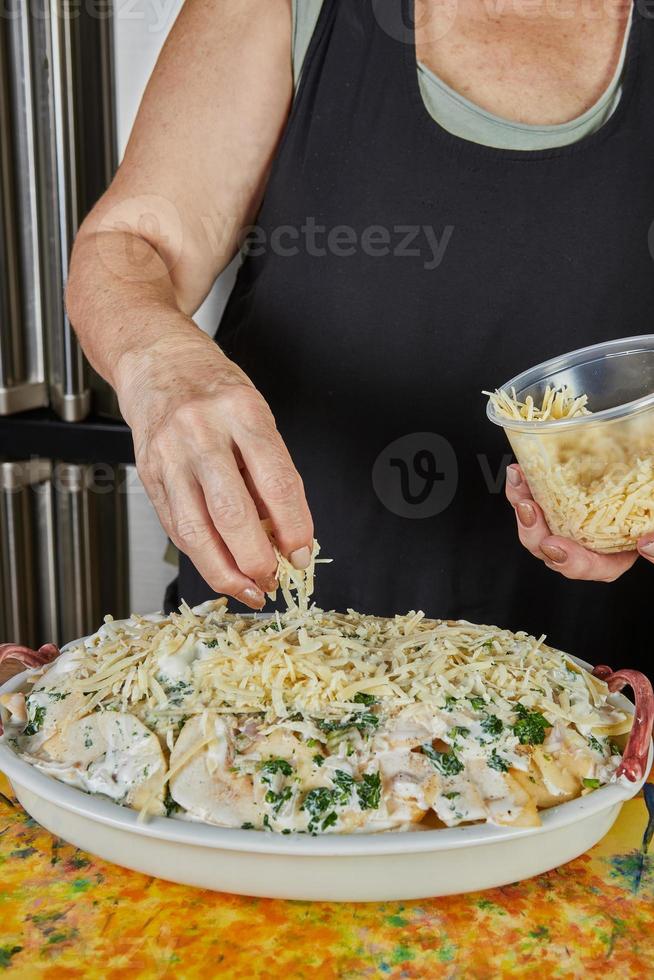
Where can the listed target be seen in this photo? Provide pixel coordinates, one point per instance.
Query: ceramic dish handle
(634, 759)
(28, 657)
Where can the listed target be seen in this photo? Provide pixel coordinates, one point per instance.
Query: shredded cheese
(360, 687)
(594, 484)
(318, 662)
(557, 403)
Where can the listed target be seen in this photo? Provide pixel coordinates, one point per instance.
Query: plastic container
(592, 475)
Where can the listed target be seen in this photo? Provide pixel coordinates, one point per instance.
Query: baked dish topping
(319, 722)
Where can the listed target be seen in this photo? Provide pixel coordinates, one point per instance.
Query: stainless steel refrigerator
(63, 545)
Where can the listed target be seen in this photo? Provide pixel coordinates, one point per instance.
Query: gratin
(319, 722)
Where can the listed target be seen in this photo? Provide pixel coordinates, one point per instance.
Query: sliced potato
(111, 753)
(201, 780)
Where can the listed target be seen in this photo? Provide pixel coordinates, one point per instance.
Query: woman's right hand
(213, 464)
(191, 181)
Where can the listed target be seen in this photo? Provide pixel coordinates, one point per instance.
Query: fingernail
(647, 548)
(557, 555)
(513, 476)
(268, 584)
(252, 598)
(526, 514)
(300, 558)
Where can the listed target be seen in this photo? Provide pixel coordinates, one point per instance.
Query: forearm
(123, 306)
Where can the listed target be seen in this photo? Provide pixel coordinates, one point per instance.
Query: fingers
(574, 561)
(235, 517)
(192, 529)
(517, 487)
(532, 526)
(277, 484)
(562, 555)
(646, 547)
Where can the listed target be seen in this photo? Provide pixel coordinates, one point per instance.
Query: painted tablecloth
(65, 914)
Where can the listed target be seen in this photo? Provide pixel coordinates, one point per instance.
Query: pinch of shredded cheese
(557, 403)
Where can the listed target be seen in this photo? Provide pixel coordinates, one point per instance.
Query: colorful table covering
(64, 914)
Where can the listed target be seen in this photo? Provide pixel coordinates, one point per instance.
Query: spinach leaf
(447, 763)
(492, 725)
(496, 761)
(530, 727)
(369, 791)
(273, 766)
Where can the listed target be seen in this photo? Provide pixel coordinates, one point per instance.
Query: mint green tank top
(463, 118)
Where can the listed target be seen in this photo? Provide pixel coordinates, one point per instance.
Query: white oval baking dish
(347, 868)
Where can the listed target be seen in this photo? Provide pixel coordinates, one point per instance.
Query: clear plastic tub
(593, 475)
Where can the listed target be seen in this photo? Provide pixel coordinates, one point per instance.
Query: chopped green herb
(451, 796)
(247, 826)
(363, 698)
(266, 822)
(343, 783)
(277, 800)
(273, 766)
(530, 727)
(211, 644)
(329, 820)
(317, 801)
(615, 749)
(478, 704)
(313, 743)
(318, 760)
(447, 763)
(591, 783)
(364, 722)
(459, 732)
(492, 725)
(169, 803)
(450, 702)
(496, 761)
(36, 718)
(58, 695)
(595, 744)
(369, 791)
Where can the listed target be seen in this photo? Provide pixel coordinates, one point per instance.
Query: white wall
(140, 29)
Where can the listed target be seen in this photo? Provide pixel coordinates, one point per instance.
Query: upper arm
(204, 138)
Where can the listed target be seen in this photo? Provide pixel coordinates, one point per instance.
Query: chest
(534, 63)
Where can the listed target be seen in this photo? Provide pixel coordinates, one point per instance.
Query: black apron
(396, 271)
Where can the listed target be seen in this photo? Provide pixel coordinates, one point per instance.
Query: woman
(437, 207)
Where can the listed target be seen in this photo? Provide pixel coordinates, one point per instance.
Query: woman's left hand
(561, 554)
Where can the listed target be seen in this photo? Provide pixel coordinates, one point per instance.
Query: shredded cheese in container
(595, 483)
